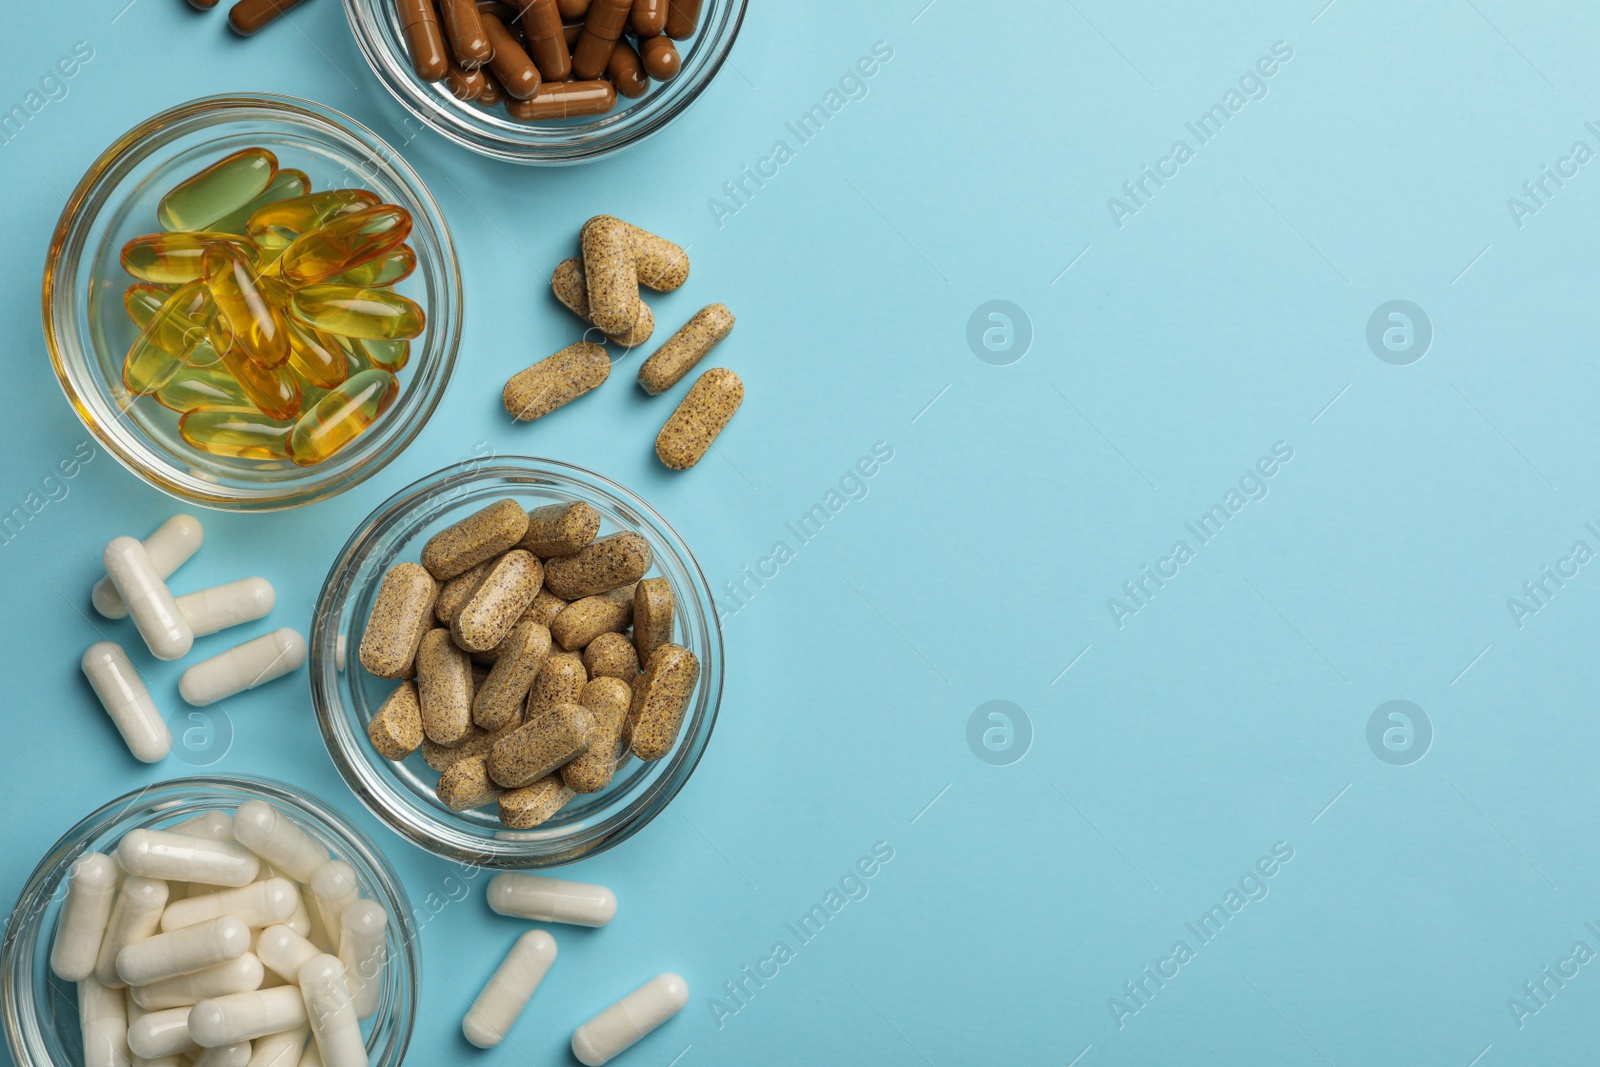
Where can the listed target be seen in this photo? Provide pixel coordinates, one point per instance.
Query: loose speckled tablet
(401, 614)
(607, 700)
(660, 700)
(702, 414)
(591, 616)
(499, 601)
(480, 536)
(614, 561)
(555, 381)
(658, 263)
(610, 273)
(560, 529)
(560, 681)
(466, 785)
(525, 808)
(677, 357)
(458, 590)
(444, 688)
(540, 745)
(612, 655)
(571, 287)
(652, 616)
(518, 660)
(396, 730)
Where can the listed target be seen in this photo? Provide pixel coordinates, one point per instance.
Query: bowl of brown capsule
(546, 81)
(252, 302)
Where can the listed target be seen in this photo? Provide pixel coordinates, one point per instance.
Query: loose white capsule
(149, 601)
(103, 1020)
(135, 916)
(161, 1033)
(194, 948)
(222, 606)
(124, 696)
(91, 889)
(334, 887)
(234, 1055)
(212, 825)
(186, 990)
(168, 548)
(267, 832)
(629, 1019)
(186, 858)
(284, 951)
(257, 904)
(363, 945)
(551, 900)
(243, 667)
(244, 1016)
(332, 1013)
(509, 989)
(280, 1050)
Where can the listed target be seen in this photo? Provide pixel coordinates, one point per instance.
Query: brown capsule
(588, 618)
(482, 535)
(571, 287)
(610, 273)
(458, 590)
(626, 72)
(401, 613)
(648, 17)
(532, 805)
(612, 562)
(463, 26)
(396, 730)
(565, 100)
(544, 609)
(502, 11)
(419, 21)
(477, 742)
(499, 601)
(683, 17)
(660, 264)
(660, 58)
(248, 16)
(510, 64)
(571, 33)
(444, 688)
(652, 616)
(541, 25)
(611, 656)
(557, 380)
(700, 417)
(607, 701)
(542, 743)
(560, 529)
(660, 701)
(668, 364)
(465, 85)
(572, 9)
(492, 94)
(518, 660)
(560, 681)
(466, 785)
(602, 26)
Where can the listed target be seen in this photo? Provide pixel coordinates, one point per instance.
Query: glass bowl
(345, 696)
(88, 332)
(376, 24)
(41, 1010)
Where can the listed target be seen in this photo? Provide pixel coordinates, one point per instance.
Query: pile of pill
(570, 692)
(553, 900)
(266, 312)
(602, 289)
(228, 938)
(547, 59)
(136, 584)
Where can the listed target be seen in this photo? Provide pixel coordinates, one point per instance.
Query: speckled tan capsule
(555, 381)
(700, 417)
(571, 287)
(498, 602)
(612, 562)
(588, 618)
(458, 590)
(525, 808)
(653, 606)
(560, 681)
(444, 688)
(612, 656)
(610, 273)
(540, 745)
(398, 620)
(660, 700)
(466, 784)
(478, 742)
(396, 730)
(544, 609)
(669, 363)
(480, 536)
(607, 700)
(659, 264)
(521, 655)
(560, 529)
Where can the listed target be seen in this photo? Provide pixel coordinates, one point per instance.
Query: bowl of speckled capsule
(195, 432)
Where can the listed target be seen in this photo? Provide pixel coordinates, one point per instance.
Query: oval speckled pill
(518, 660)
(652, 616)
(477, 742)
(560, 529)
(669, 363)
(571, 287)
(544, 609)
(558, 380)
(540, 745)
(700, 417)
(458, 590)
(614, 561)
(482, 535)
(607, 700)
(444, 688)
(660, 700)
(499, 601)
(466, 785)
(612, 656)
(560, 681)
(611, 276)
(658, 263)
(400, 616)
(588, 618)
(396, 730)
(525, 808)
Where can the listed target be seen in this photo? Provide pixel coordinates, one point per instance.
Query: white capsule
(149, 601)
(244, 1016)
(168, 548)
(334, 886)
(161, 1033)
(124, 696)
(332, 1013)
(234, 1055)
(311, 1057)
(185, 858)
(257, 904)
(551, 900)
(222, 606)
(135, 916)
(103, 1022)
(194, 948)
(363, 947)
(509, 989)
(91, 889)
(284, 951)
(267, 832)
(629, 1019)
(243, 667)
(300, 922)
(280, 1049)
(186, 990)
(212, 825)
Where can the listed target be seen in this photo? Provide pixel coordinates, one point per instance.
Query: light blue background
(1227, 715)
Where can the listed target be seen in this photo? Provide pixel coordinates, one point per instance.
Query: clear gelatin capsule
(148, 366)
(203, 388)
(276, 225)
(225, 186)
(370, 352)
(256, 324)
(142, 300)
(179, 324)
(316, 356)
(241, 434)
(174, 258)
(342, 416)
(288, 182)
(393, 266)
(355, 311)
(343, 243)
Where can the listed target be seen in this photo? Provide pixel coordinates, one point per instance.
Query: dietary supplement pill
(539, 746)
(626, 72)
(550, 900)
(236, 1017)
(126, 700)
(560, 529)
(399, 618)
(513, 69)
(564, 100)
(613, 561)
(332, 1014)
(186, 990)
(283, 951)
(273, 836)
(223, 187)
(571, 287)
(210, 610)
(458, 590)
(264, 903)
(419, 21)
(660, 701)
(91, 892)
(463, 25)
(153, 607)
(610, 271)
(396, 729)
(193, 948)
(683, 17)
(669, 363)
(334, 887)
(660, 58)
(555, 381)
(466, 784)
(659, 263)
(243, 667)
(653, 609)
(135, 916)
(533, 805)
(444, 688)
(544, 609)
(477, 742)
(612, 655)
(480, 536)
(648, 17)
(363, 933)
(541, 25)
(168, 548)
(249, 16)
(103, 1024)
(607, 700)
(602, 26)
(186, 858)
(509, 989)
(702, 414)
(498, 702)
(626, 1022)
(589, 617)
(159, 1034)
(505, 592)
(560, 681)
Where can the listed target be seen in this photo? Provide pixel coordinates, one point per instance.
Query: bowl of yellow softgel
(252, 302)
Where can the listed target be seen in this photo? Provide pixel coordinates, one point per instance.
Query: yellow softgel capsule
(256, 324)
(203, 388)
(240, 434)
(316, 356)
(174, 258)
(367, 353)
(179, 324)
(275, 226)
(344, 243)
(142, 300)
(394, 266)
(358, 311)
(273, 390)
(287, 183)
(147, 366)
(225, 186)
(342, 415)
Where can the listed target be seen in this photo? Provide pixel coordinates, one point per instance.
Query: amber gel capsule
(341, 416)
(565, 100)
(275, 226)
(179, 324)
(174, 258)
(255, 323)
(273, 390)
(210, 388)
(240, 434)
(316, 356)
(344, 243)
(357, 312)
(541, 24)
(223, 187)
(464, 26)
(287, 183)
(419, 21)
(601, 28)
(391, 267)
